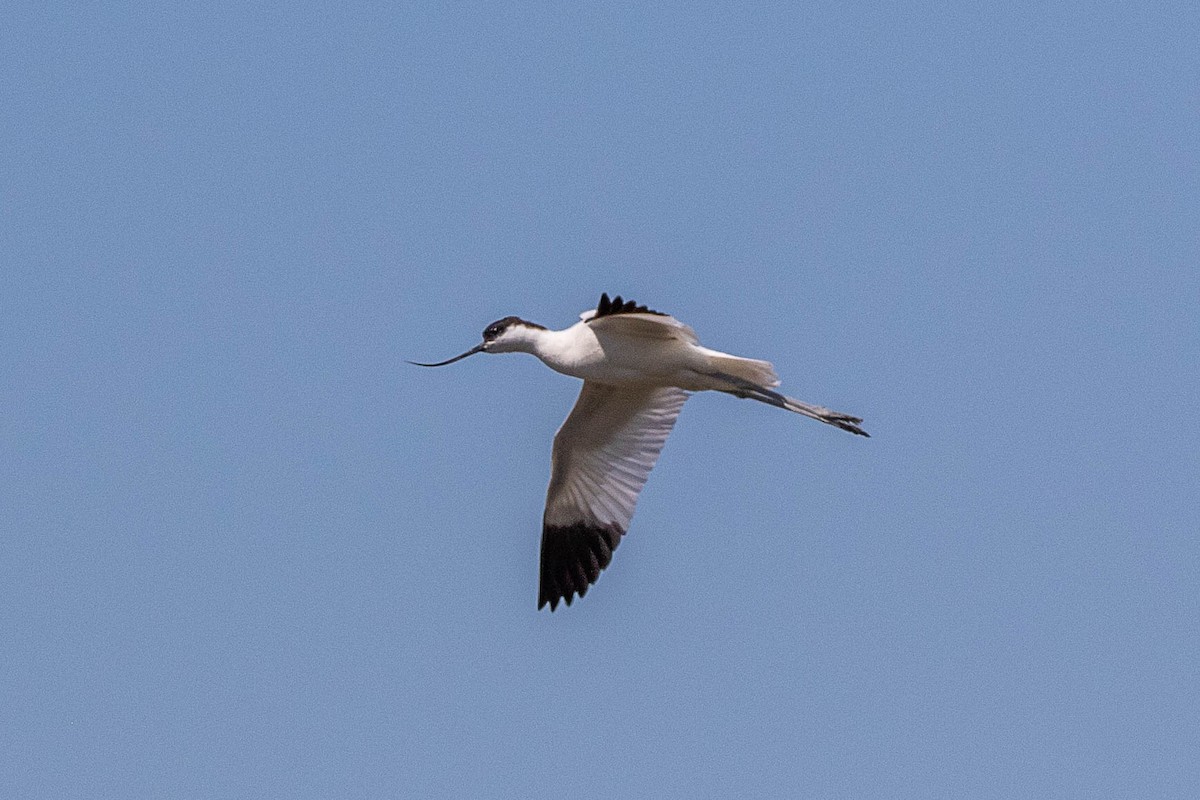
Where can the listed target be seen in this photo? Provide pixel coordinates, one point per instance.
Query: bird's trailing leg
(752, 391)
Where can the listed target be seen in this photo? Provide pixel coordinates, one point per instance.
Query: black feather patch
(618, 306)
(572, 559)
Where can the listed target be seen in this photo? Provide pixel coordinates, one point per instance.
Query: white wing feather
(605, 450)
(640, 325)
(602, 456)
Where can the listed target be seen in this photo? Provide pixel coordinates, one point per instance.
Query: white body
(634, 350)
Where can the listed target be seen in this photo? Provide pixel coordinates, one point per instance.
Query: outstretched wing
(602, 456)
(628, 318)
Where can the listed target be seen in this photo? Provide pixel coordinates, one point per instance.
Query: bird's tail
(746, 370)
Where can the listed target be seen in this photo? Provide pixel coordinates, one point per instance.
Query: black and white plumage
(602, 456)
(638, 368)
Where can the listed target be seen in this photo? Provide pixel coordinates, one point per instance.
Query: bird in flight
(638, 367)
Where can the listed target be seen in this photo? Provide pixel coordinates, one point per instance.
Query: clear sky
(246, 551)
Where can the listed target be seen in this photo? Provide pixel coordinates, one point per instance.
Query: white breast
(619, 351)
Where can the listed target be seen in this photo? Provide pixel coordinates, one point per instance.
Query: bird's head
(508, 335)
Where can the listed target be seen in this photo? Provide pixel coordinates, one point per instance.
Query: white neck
(566, 351)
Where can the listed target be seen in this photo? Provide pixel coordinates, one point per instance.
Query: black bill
(476, 349)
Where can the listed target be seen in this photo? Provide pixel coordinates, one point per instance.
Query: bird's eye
(491, 333)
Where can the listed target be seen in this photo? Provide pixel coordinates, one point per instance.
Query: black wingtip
(618, 305)
(573, 556)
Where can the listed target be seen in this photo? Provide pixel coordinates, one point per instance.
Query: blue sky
(245, 551)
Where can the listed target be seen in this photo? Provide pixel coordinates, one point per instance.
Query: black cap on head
(498, 327)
